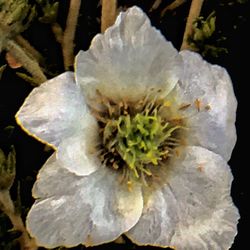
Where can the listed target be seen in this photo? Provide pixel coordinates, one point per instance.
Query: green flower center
(136, 138)
(140, 140)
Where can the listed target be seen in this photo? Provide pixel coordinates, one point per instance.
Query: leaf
(50, 11)
(7, 169)
(16, 15)
(203, 31)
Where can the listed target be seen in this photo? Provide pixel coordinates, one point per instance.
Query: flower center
(140, 141)
(136, 137)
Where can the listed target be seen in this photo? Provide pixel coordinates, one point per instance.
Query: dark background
(232, 22)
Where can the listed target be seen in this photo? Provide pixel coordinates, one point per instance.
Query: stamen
(144, 179)
(136, 137)
(184, 106)
(197, 104)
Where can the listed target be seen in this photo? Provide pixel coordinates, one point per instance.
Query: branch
(7, 206)
(155, 5)
(108, 14)
(28, 48)
(194, 13)
(69, 34)
(28, 63)
(172, 6)
(58, 32)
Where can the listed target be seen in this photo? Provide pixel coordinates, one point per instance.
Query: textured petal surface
(90, 210)
(211, 116)
(193, 210)
(78, 153)
(53, 111)
(51, 178)
(130, 58)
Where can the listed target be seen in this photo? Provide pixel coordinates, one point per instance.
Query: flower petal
(55, 173)
(51, 177)
(53, 111)
(211, 116)
(193, 210)
(82, 210)
(78, 153)
(129, 59)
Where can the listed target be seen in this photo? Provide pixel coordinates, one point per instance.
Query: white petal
(193, 210)
(212, 123)
(128, 60)
(78, 153)
(53, 110)
(93, 209)
(50, 179)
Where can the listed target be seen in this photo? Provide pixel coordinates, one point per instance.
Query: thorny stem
(28, 48)
(108, 14)
(7, 206)
(194, 13)
(69, 33)
(173, 6)
(28, 63)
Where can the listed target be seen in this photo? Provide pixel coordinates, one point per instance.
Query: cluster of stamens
(135, 137)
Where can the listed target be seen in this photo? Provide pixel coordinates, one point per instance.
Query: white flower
(142, 135)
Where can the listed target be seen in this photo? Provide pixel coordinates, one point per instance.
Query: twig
(58, 32)
(69, 33)
(27, 78)
(28, 63)
(155, 5)
(172, 6)
(194, 13)
(28, 48)
(7, 206)
(108, 14)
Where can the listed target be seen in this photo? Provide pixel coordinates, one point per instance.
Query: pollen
(167, 104)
